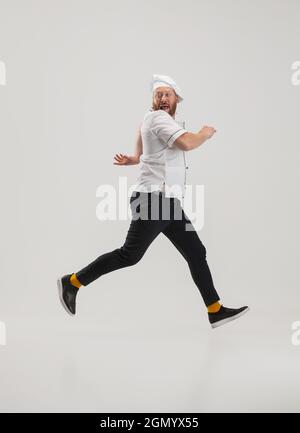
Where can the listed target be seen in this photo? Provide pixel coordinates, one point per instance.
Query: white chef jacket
(162, 162)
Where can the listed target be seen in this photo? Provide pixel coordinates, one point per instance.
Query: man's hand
(121, 159)
(207, 131)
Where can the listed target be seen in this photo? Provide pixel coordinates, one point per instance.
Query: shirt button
(186, 167)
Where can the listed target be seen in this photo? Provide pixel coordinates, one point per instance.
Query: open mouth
(164, 107)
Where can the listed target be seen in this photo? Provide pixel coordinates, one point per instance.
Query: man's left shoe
(67, 294)
(225, 315)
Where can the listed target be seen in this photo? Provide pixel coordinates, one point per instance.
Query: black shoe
(67, 294)
(225, 315)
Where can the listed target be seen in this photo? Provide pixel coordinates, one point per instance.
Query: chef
(163, 165)
(160, 147)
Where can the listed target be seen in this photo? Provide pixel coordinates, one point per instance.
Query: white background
(77, 88)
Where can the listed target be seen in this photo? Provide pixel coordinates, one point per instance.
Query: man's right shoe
(67, 294)
(225, 315)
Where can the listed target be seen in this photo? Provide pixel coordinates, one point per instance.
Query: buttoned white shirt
(162, 164)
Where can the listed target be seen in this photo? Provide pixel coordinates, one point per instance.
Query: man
(160, 147)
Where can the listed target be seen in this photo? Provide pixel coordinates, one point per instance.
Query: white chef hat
(159, 80)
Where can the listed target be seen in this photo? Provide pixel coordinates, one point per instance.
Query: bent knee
(130, 258)
(133, 259)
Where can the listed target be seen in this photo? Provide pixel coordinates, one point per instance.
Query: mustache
(156, 106)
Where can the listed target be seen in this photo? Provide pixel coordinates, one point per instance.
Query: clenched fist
(207, 131)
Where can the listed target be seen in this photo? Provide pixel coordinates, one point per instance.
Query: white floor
(151, 362)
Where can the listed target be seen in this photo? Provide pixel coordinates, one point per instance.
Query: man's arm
(134, 159)
(189, 140)
(138, 145)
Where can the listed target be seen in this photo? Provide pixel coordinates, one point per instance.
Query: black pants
(170, 219)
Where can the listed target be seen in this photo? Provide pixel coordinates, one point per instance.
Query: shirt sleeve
(165, 127)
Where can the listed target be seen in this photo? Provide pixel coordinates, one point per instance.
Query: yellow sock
(214, 308)
(74, 281)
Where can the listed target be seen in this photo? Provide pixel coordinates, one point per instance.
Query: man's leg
(140, 235)
(192, 249)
